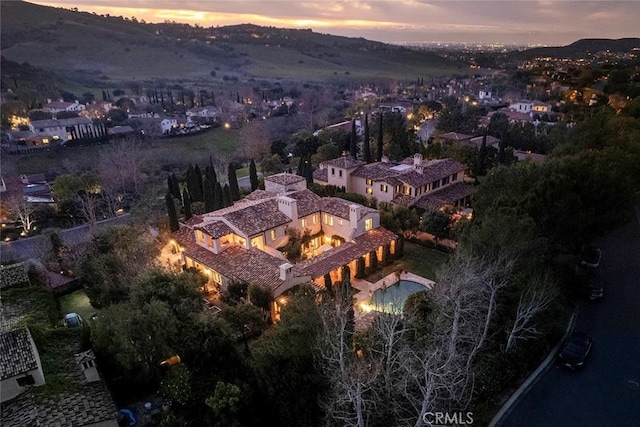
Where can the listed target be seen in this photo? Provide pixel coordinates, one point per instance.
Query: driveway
(607, 391)
(36, 247)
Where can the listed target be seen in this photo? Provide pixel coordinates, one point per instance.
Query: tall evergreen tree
(366, 149)
(233, 182)
(195, 191)
(209, 195)
(186, 204)
(211, 171)
(169, 184)
(481, 165)
(171, 211)
(353, 143)
(218, 197)
(253, 175)
(175, 187)
(198, 174)
(380, 138)
(227, 200)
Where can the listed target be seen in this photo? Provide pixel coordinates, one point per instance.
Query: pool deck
(366, 289)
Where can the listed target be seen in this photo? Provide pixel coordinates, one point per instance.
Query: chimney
(286, 271)
(417, 162)
(48, 100)
(355, 213)
(288, 206)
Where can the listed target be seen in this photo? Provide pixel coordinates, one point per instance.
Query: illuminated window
(369, 190)
(315, 219)
(368, 224)
(200, 236)
(383, 188)
(45, 140)
(209, 241)
(407, 190)
(273, 234)
(304, 223)
(369, 182)
(339, 222)
(397, 188)
(328, 219)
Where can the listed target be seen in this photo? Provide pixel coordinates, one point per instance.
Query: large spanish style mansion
(240, 242)
(412, 182)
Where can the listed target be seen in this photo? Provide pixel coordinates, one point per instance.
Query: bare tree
(21, 211)
(88, 205)
(255, 140)
(534, 300)
(121, 165)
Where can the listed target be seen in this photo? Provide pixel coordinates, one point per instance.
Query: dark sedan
(575, 351)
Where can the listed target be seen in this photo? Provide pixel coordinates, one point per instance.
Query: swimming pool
(392, 298)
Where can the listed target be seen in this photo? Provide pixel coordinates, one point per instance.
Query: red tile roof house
(412, 182)
(241, 242)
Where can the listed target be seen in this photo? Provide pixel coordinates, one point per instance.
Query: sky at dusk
(555, 22)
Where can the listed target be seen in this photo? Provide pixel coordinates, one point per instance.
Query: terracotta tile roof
(321, 175)
(446, 196)
(345, 162)
(254, 219)
(455, 136)
(59, 104)
(16, 353)
(433, 170)
(347, 252)
(308, 202)
(216, 229)
(284, 178)
(250, 265)
(402, 199)
(339, 207)
(259, 195)
(376, 171)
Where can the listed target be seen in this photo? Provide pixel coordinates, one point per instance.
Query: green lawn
(77, 302)
(172, 152)
(416, 259)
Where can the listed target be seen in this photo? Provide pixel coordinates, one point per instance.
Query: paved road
(601, 394)
(35, 247)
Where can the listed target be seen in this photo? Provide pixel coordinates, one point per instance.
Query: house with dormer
(412, 182)
(244, 242)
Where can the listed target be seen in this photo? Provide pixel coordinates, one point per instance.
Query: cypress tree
(353, 145)
(186, 204)
(380, 139)
(218, 200)
(211, 171)
(198, 174)
(366, 150)
(227, 200)
(208, 195)
(233, 182)
(253, 175)
(193, 185)
(171, 211)
(308, 173)
(175, 187)
(169, 184)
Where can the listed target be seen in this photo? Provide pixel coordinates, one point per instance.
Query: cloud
(552, 22)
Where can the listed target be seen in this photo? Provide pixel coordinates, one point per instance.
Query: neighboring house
(242, 242)
(484, 95)
(206, 113)
(58, 106)
(344, 126)
(523, 106)
(65, 129)
(20, 365)
(528, 155)
(454, 137)
(412, 182)
(97, 109)
(476, 142)
(120, 131)
(541, 107)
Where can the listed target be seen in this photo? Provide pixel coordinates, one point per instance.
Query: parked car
(575, 351)
(593, 287)
(591, 256)
(72, 320)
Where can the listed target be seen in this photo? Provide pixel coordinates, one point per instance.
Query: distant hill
(580, 48)
(113, 48)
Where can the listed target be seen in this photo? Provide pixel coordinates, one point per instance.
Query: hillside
(580, 49)
(112, 48)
